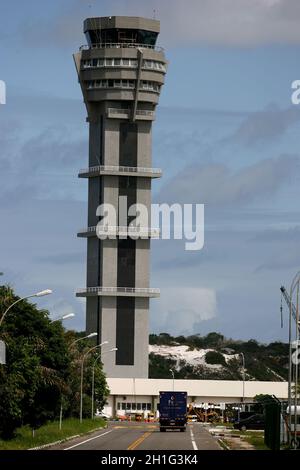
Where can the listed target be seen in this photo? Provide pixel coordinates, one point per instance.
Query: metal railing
(139, 112)
(144, 112)
(130, 290)
(121, 169)
(120, 45)
(119, 230)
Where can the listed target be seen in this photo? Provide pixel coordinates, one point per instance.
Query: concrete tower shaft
(120, 71)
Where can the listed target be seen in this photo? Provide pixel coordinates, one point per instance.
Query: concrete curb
(44, 446)
(223, 444)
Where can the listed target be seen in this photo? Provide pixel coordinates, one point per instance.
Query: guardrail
(120, 45)
(130, 290)
(117, 230)
(139, 112)
(121, 169)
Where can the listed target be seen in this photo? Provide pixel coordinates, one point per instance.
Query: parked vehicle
(256, 421)
(246, 414)
(172, 410)
(101, 414)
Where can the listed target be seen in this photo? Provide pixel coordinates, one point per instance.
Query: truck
(172, 410)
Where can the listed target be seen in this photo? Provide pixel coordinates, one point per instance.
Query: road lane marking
(138, 441)
(88, 440)
(193, 440)
(134, 427)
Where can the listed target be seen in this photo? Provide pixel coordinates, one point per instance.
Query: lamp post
(294, 284)
(37, 294)
(243, 359)
(296, 369)
(63, 317)
(93, 375)
(172, 372)
(91, 335)
(81, 376)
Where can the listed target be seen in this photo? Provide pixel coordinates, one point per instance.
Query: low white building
(141, 395)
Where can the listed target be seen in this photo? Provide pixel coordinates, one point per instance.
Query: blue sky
(226, 135)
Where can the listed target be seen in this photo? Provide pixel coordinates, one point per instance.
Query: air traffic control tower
(121, 72)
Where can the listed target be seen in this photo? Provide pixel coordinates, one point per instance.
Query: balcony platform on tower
(127, 232)
(100, 170)
(118, 292)
(141, 114)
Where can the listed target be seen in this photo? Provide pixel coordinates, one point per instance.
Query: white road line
(88, 440)
(193, 440)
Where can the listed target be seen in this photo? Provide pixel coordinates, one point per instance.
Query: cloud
(40, 252)
(265, 126)
(284, 259)
(53, 149)
(231, 22)
(182, 310)
(63, 258)
(43, 165)
(216, 184)
(278, 236)
(215, 22)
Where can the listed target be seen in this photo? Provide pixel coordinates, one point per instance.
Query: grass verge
(50, 433)
(257, 440)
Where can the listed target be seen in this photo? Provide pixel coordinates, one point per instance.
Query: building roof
(121, 22)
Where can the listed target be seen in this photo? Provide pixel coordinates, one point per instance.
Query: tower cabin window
(121, 36)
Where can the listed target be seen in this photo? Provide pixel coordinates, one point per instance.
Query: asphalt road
(143, 436)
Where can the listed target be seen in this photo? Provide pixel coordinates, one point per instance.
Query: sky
(226, 135)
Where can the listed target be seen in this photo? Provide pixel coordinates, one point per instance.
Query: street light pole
(296, 369)
(63, 317)
(91, 335)
(93, 375)
(172, 372)
(243, 358)
(294, 283)
(81, 375)
(38, 294)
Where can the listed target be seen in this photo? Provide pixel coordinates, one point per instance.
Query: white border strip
(88, 440)
(193, 440)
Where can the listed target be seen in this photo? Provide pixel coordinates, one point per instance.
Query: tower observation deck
(121, 72)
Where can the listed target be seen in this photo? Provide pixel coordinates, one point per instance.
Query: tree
(159, 366)
(214, 357)
(73, 394)
(213, 340)
(41, 371)
(261, 401)
(37, 366)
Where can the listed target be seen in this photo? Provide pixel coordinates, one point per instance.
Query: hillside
(215, 357)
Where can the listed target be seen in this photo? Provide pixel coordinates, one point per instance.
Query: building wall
(199, 391)
(199, 388)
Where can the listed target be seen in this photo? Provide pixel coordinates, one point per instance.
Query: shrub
(214, 357)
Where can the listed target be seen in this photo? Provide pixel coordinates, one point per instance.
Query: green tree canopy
(42, 370)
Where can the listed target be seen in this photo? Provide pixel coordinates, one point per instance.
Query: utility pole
(294, 284)
(243, 358)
